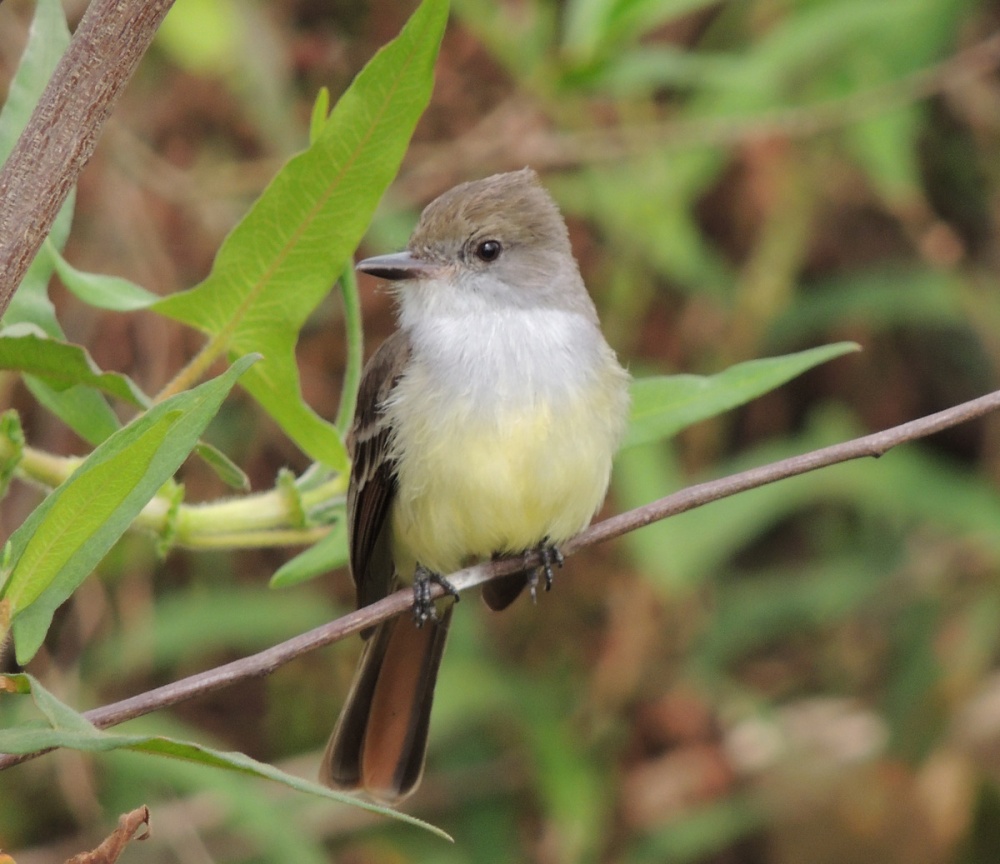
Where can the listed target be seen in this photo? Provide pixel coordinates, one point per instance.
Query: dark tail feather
(380, 740)
(500, 593)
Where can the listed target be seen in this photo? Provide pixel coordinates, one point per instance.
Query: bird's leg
(424, 609)
(551, 556)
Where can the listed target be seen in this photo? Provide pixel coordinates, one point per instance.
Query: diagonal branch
(61, 135)
(265, 662)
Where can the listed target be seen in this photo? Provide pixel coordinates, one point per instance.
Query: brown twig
(63, 130)
(111, 849)
(265, 662)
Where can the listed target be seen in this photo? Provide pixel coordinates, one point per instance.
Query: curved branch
(265, 662)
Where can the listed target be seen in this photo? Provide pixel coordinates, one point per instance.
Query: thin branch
(267, 661)
(874, 445)
(63, 130)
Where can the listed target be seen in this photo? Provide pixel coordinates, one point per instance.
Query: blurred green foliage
(804, 673)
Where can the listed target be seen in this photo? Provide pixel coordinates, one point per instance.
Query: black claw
(551, 556)
(424, 609)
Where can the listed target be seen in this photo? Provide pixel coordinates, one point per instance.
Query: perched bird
(486, 426)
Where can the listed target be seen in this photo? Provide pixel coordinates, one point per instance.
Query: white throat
(506, 355)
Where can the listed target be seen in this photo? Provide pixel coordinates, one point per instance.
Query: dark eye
(489, 250)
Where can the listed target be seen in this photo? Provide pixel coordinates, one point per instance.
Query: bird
(486, 426)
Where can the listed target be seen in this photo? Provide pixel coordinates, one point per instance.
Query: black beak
(399, 265)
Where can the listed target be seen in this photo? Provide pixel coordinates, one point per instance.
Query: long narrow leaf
(328, 554)
(67, 728)
(288, 251)
(99, 290)
(662, 406)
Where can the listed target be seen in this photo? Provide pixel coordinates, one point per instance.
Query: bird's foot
(424, 609)
(551, 557)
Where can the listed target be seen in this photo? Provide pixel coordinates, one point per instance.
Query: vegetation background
(806, 673)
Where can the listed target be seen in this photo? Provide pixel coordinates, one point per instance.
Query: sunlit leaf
(286, 254)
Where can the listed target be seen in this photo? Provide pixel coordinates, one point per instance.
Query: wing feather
(372, 486)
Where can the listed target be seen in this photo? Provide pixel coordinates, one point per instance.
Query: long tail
(380, 740)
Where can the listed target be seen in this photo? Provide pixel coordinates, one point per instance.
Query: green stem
(355, 348)
(261, 519)
(39, 467)
(195, 369)
(256, 539)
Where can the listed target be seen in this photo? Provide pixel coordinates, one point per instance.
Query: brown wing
(373, 477)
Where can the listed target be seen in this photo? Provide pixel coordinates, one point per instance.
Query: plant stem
(263, 519)
(195, 368)
(355, 348)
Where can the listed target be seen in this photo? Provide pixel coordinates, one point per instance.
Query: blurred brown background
(807, 673)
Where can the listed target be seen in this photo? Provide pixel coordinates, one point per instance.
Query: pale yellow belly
(471, 488)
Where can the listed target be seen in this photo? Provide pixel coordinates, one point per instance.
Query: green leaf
(62, 365)
(67, 728)
(67, 535)
(64, 379)
(122, 295)
(47, 39)
(12, 436)
(328, 554)
(664, 405)
(102, 292)
(225, 469)
(320, 113)
(285, 255)
(203, 35)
